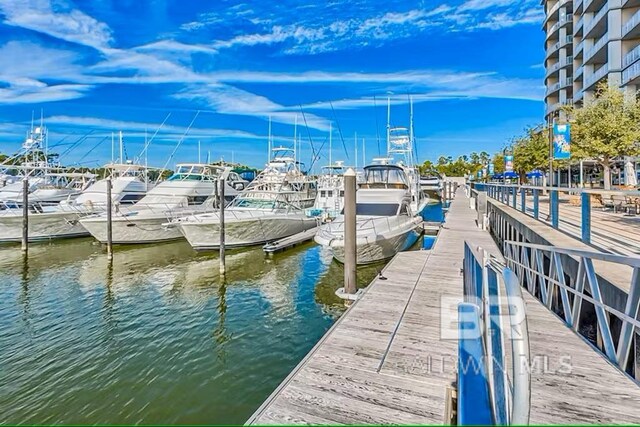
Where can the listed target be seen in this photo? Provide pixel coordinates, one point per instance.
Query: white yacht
(270, 208)
(190, 190)
(47, 222)
(385, 220)
(330, 198)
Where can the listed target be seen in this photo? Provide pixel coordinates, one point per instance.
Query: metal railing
(594, 21)
(599, 74)
(596, 47)
(501, 393)
(542, 271)
(516, 197)
(631, 57)
(631, 23)
(631, 73)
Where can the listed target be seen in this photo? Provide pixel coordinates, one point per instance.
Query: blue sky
(473, 68)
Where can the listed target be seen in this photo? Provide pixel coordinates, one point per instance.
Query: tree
(530, 151)
(606, 128)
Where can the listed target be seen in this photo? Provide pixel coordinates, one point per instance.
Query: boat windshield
(384, 177)
(377, 209)
(192, 173)
(254, 203)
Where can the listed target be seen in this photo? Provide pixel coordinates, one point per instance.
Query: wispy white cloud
(61, 21)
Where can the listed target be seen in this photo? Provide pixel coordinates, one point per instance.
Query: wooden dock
(386, 361)
(289, 242)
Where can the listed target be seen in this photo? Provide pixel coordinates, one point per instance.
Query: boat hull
(132, 230)
(372, 248)
(205, 235)
(42, 226)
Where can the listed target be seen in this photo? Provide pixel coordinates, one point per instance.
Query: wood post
(25, 215)
(350, 255)
(221, 202)
(109, 221)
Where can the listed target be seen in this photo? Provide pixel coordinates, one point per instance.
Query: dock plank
(385, 360)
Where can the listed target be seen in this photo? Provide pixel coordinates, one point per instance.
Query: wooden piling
(221, 201)
(25, 215)
(109, 221)
(350, 259)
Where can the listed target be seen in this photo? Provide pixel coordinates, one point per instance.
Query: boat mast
(411, 142)
(113, 147)
(364, 154)
(199, 152)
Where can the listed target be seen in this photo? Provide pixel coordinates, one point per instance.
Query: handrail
(544, 278)
(482, 278)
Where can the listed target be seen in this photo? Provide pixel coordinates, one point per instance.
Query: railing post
(586, 217)
(350, 253)
(536, 203)
(523, 199)
(25, 215)
(514, 196)
(553, 208)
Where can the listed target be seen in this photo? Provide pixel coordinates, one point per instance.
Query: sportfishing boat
(192, 189)
(330, 198)
(385, 220)
(270, 208)
(47, 222)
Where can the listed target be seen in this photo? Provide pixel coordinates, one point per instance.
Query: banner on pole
(492, 169)
(561, 141)
(508, 163)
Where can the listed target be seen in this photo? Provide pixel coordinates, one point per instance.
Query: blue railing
(486, 392)
(611, 199)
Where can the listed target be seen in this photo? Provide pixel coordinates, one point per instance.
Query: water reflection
(156, 336)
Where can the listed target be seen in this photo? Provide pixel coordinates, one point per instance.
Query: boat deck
(386, 360)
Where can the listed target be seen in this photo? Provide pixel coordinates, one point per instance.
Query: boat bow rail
(493, 312)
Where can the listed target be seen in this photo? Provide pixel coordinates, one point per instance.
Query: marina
(286, 213)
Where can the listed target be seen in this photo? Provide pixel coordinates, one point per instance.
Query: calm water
(158, 337)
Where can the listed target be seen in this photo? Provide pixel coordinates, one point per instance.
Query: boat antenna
(295, 136)
(344, 146)
(375, 113)
(199, 152)
(121, 159)
(317, 156)
(330, 145)
(113, 147)
(355, 143)
(269, 141)
(388, 124)
(178, 145)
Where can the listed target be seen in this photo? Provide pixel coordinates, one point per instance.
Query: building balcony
(577, 73)
(593, 5)
(630, 3)
(552, 108)
(578, 27)
(552, 14)
(562, 22)
(553, 49)
(631, 73)
(554, 68)
(631, 57)
(578, 49)
(598, 52)
(568, 82)
(578, 95)
(597, 26)
(598, 75)
(553, 88)
(631, 28)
